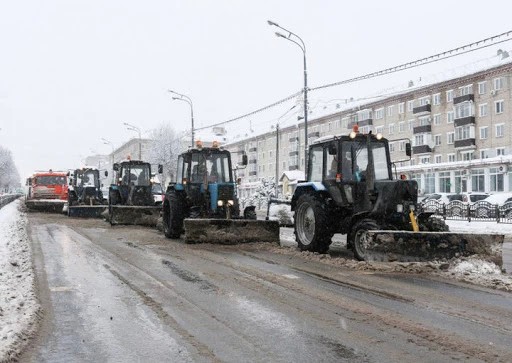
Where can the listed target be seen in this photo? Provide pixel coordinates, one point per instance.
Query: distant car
(158, 193)
(433, 202)
(486, 208)
(470, 197)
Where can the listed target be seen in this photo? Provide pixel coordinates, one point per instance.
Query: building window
(401, 127)
(391, 147)
(496, 180)
(430, 183)
(499, 107)
(450, 116)
(464, 132)
(437, 119)
(437, 140)
(444, 182)
(478, 180)
(482, 88)
(500, 151)
(379, 129)
(390, 110)
(484, 154)
(451, 157)
(438, 159)
(466, 90)
(436, 99)
(391, 129)
(410, 105)
(424, 101)
(425, 160)
(484, 132)
(379, 114)
(500, 130)
(450, 137)
(482, 110)
(466, 155)
(498, 83)
(401, 145)
(449, 95)
(411, 124)
(401, 107)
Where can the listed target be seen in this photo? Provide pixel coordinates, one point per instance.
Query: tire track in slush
(434, 337)
(202, 349)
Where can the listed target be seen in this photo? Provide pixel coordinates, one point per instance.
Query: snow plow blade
(87, 211)
(230, 231)
(46, 205)
(136, 215)
(427, 246)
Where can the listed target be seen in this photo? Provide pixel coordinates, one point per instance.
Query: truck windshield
(50, 180)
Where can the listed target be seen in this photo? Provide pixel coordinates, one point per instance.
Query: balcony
(467, 143)
(253, 173)
(465, 98)
(253, 149)
(422, 110)
(421, 149)
(293, 153)
(293, 139)
(470, 120)
(422, 129)
(314, 134)
(293, 167)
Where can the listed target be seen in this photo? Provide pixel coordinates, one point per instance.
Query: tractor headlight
(411, 207)
(231, 203)
(220, 203)
(400, 208)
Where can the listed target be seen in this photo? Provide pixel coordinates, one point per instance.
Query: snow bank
(19, 307)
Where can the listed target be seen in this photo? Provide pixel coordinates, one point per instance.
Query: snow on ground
(19, 307)
(20, 310)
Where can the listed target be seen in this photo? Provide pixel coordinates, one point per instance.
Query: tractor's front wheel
(173, 216)
(312, 225)
(359, 237)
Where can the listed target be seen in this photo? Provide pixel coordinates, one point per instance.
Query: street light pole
(188, 100)
(302, 46)
(136, 129)
(106, 142)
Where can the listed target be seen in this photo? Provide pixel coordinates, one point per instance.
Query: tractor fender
(314, 188)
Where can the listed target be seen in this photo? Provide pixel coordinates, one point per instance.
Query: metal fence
(7, 198)
(478, 211)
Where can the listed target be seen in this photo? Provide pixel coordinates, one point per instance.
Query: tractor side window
(346, 161)
(316, 162)
(332, 166)
(380, 161)
(179, 175)
(199, 171)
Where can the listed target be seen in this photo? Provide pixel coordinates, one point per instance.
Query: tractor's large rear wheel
(359, 237)
(173, 216)
(312, 231)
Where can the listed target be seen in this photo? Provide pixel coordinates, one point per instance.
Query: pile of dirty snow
(19, 308)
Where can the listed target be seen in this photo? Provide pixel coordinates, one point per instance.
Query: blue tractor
(202, 202)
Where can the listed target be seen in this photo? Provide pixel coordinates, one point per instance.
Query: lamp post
(106, 142)
(136, 129)
(302, 46)
(186, 99)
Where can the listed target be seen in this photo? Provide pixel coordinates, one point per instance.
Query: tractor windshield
(210, 168)
(136, 175)
(355, 160)
(88, 179)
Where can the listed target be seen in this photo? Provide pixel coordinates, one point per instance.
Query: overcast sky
(71, 72)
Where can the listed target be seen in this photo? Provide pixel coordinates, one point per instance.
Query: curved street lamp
(300, 43)
(136, 129)
(188, 100)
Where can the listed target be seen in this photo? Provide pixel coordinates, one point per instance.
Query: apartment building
(460, 131)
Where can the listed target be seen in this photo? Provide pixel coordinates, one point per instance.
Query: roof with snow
(293, 175)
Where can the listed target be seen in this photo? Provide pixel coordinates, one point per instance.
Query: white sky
(71, 72)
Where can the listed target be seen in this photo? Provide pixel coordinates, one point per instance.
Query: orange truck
(47, 191)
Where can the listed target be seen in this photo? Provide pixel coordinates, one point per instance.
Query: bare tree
(9, 176)
(167, 145)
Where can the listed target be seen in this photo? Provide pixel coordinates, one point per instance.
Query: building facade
(460, 131)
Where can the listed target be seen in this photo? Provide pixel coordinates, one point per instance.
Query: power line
(484, 43)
